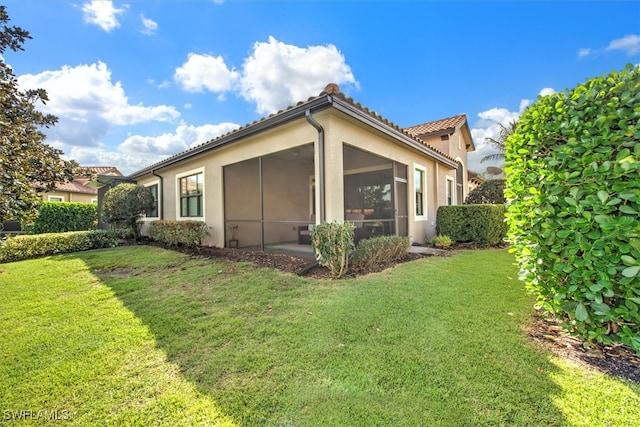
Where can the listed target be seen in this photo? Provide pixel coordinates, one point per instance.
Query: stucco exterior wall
(71, 197)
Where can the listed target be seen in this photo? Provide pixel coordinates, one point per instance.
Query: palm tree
(498, 144)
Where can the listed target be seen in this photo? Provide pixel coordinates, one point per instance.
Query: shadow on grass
(276, 349)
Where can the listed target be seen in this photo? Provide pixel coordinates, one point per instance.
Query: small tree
(489, 192)
(28, 166)
(125, 204)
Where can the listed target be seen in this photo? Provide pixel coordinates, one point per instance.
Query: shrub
(442, 241)
(56, 217)
(379, 250)
(332, 243)
(482, 224)
(174, 233)
(32, 246)
(125, 204)
(488, 193)
(574, 201)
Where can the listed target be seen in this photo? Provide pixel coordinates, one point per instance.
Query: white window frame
(55, 198)
(450, 184)
(94, 201)
(425, 210)
(158, 201)
(178, 194)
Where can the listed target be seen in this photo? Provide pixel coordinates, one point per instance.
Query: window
(94, 201)
(56, 198)
(191, 190)
(419, 188)
(449, 191)
(153, 213)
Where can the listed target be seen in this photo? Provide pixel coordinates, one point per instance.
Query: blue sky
(135, 81)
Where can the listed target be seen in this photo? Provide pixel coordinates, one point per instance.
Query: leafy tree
(125, 204)
(27, 165)
(489, 192)
(573, 168)
(499, 144)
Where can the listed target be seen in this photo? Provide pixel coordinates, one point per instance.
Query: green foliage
(488, 193)
(482, 224)
(125, 204)
(573, 186)
(55, 217)
(32, 246)
(175, 233)
(333, 243)
(379, 250)
(442, 241)
(28, 165)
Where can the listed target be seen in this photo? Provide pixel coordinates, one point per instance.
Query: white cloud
(630, 44)
(202, 72)
(184, 137)
(89, 104)
(547, 91)
(277, 74)
(584, 52)
(149, 26)
(489, 127)
(102, 13)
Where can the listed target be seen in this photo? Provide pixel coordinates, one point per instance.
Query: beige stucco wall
(71, 197)
(339, 129)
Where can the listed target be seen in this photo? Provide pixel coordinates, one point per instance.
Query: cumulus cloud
(489, 127)
(205, 72)
(547, 91)
(184, 137)
(88, 103)
(149, 26)
(102, 13)
(277, 74)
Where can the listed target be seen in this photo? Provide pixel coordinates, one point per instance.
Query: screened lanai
(269, 200)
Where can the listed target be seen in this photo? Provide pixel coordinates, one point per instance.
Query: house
(324, 159)
(80, 189)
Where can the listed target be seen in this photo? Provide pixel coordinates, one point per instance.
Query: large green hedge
(573, 185)
(482, 224)
(57, 217)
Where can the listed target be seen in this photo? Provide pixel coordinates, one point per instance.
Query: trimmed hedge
(380, 250)
(573, 185)
(37, 245)
(482, 224)
(174, 233)
(57, 217)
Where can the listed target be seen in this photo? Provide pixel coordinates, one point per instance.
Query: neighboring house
(475, 179)
(80, 189)
(324, 159)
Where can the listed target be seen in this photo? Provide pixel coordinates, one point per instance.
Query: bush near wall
(573, 181)
(379, 250)
(332, 244)
(175, 233)
(32, 246)
(56, 217)
(482, 224)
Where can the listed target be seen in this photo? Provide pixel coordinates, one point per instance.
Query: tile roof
(437, 125)
(79, 183)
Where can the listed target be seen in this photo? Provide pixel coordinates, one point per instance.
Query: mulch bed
(618, 361)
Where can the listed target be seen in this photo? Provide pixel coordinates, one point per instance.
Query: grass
(144, 336)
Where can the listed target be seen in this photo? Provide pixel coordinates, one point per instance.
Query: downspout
(320, 183)
(160, 193)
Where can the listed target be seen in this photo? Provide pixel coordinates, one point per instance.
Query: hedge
(482, 224)
(174, 233)
(573, 168)
(380, 250)
(57, 217)
(37, 245)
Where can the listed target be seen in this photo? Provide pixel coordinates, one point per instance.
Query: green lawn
(144, 336)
